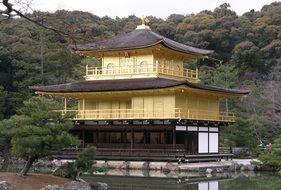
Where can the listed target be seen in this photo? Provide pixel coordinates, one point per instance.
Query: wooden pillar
(65, 105)
(156, 68)
(174, 138)
(109, 137)
(165, 137)
(226, 105)
(83, 108)
(197, 73)
(132, 139)
(186, 141)
(125, 138)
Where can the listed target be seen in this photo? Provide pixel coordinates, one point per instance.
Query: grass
(32, 181)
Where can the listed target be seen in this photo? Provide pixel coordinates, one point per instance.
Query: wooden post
(132, 139)
(65, 105)
(83, 108)
(144, 137)
(157, 63)
(97, 137)
(165, 135)
(174, 138)
(226, 105)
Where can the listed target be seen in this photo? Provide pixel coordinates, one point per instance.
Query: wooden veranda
(169, 155)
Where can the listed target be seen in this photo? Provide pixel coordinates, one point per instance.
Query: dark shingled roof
(130, 84)
(138, 39)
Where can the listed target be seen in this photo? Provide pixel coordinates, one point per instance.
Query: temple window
(127, 64)
(144, 66)
(110, 68)
(177, 70)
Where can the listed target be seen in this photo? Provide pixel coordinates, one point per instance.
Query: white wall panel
(213, 142)
(214, 185)
(180, 128)
(203, 142)
(214, 129)
(192, 128)
(203, 186)
(203, 128)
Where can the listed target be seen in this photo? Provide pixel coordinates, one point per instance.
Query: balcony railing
(127, 114)
(138, 70)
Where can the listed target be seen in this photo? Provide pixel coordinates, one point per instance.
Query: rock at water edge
(99, 186)
(4, 185)
(51, 187)
(75, 185)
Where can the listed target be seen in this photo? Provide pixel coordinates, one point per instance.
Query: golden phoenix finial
(144, 20)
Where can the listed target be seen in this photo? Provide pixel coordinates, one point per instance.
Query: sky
(157, 8)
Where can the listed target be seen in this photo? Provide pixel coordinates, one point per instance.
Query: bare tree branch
(10, 11)
(9, 8)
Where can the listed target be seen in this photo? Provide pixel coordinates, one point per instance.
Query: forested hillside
(247, 55)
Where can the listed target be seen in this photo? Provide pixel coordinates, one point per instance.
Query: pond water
(155, 180)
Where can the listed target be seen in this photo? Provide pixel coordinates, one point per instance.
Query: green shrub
(272, 156)
(83, 163)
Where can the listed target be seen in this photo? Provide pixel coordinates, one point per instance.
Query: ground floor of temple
(151, 142)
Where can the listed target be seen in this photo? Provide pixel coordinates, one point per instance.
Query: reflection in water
(156, 180)
(214, 185)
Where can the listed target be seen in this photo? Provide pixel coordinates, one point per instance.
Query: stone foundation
(168, 167)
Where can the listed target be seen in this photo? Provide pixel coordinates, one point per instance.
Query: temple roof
(130, 84)
(139, 38)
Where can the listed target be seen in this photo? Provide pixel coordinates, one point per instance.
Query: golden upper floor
(151, 98)
(141, 54)
(141, 64)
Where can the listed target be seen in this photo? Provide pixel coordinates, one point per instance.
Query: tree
(254, 107)
(3, 98)
(45, 132)
(240, 134)
(246, 57)
(223, 75)
(8, 129)
(272, 157)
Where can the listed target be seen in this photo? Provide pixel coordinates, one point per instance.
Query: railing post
(196, 73)
(87, 70)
